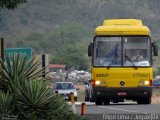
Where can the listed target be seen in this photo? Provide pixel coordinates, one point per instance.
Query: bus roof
(122, 27)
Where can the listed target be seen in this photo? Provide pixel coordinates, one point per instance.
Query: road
(128, 108)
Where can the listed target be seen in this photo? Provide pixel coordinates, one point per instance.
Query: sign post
(2, 48)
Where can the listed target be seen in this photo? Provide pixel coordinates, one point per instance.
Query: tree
(11, 4)
(73, 56)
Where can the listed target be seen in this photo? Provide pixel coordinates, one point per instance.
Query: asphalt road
(114, 111)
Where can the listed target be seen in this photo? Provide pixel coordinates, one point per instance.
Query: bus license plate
(121, 93)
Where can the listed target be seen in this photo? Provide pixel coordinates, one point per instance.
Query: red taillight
(151, 82)
(93, 82)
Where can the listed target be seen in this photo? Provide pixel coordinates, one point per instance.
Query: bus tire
(147, 100)
(139, 101)
(106, 101)
(98, 101)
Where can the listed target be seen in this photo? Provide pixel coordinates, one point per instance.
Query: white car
(65, 88)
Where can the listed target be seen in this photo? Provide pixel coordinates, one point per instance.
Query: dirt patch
(81, 87)
(156, 96)
(155, 99)
(81, 92)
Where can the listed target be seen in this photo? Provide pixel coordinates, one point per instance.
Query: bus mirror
(155, 49)
(90, 49)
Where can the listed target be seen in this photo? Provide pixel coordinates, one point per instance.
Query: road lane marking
(79, 103)
(126, 102)
(118, 109)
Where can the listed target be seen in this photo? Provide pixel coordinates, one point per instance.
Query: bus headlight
(144, 83)
(98, 82)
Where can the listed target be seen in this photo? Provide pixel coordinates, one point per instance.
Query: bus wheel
(106, 101)
(147, 100)
(98, 101)
(115, 101)
(139, 101)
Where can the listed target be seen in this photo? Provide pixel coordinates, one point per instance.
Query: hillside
(50, 25)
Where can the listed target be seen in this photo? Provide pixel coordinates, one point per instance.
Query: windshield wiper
(131, 62)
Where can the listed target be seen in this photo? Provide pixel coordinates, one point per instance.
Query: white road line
(126, 102)
(130, 111)
(79, 103)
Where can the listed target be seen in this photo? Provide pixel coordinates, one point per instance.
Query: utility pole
(2, 48)
(44, 65)
(2, 54)
(62, 37)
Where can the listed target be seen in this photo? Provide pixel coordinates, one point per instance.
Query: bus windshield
(122, 51)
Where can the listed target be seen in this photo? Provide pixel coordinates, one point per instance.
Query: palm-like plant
(7, 105)
(18, 67)
(22, 80)
(33, 96)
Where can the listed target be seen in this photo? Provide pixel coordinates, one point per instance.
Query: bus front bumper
(125, 93)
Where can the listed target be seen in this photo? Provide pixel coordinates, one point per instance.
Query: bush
(26, 94)
(18, 67)
(7, 103)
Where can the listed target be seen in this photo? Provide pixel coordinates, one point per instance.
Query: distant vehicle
(88, 91)
(65, 88)
(156, 83)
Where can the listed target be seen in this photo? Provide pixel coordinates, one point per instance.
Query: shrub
(18, 67)
(7, 103)
(26, 94)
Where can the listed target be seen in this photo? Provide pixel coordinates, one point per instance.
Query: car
(156, 83)
(88, 91)
(65, 89)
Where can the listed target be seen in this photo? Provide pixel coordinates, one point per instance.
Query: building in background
(57, 68)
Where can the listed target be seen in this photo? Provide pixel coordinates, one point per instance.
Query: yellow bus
(121, 53)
